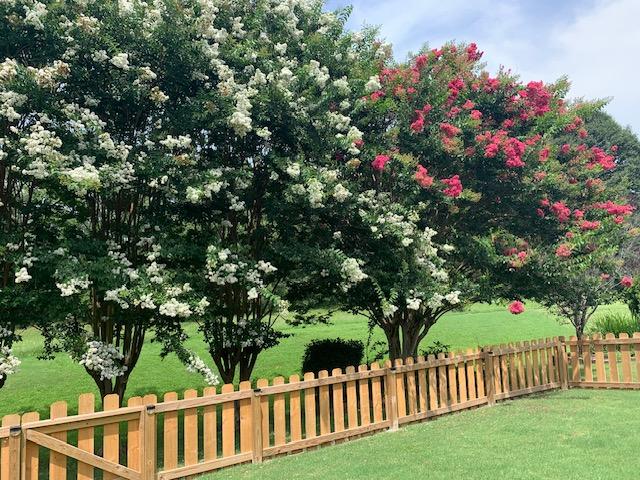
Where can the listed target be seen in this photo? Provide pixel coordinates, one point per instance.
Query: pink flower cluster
(599, 157)
(537, 99)
(516, 307)
(454, 186)
(423, 178)
(512, 148)
(564, 250)
(418, 125)
(379, 162)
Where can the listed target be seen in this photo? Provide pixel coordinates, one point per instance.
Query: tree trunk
(410, 341)
(393, 341)
(2, 381)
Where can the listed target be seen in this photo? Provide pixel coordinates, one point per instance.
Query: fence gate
(114, 458)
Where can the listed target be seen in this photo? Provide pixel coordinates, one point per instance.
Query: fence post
(15, 441)
(149, 439)
(391, 398)
(563, 364)
(256, 428)
(489, 385)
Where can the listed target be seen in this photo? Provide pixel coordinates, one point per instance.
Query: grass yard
(574, 434)
(39, 383)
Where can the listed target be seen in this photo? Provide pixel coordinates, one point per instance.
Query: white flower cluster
(104, 359)
(226, 268)
(8, 362)
(196, 365)
(437, 300)
(319, 74)
(72, 286)
(351, 273)
(373, 85)
(175, 308)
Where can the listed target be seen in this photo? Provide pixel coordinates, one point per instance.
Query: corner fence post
(15, 442)
(563, 364)
(256, 427)
(391, 398)
(149, 439)
(489, 385)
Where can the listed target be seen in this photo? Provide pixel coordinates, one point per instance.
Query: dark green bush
(615, 323)
(331, 353)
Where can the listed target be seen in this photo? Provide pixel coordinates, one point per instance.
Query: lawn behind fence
(40, 383)
(573, 434)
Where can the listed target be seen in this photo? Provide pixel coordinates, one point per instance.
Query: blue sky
(596, 43)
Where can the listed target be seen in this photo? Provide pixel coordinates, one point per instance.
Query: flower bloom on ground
(379, 162)
(626, 281)
(516, 307)
(454, 188)
(423, 178)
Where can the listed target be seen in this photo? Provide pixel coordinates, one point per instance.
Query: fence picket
(365, 404)
(586, 359)
(170, 434)
(626, 359)
(442, 382)
(111, 439)
(310, 409)
(279, 419)
(535, 363)
(462, 380)
(32, 451)
(246, 428)
(422, 386)
(544, 353)
(352, 401)
(471, 374)
(338, 402)
(636, 353)
(411, 388)
(57, 461)
(210, 427)
(513, 369)
(190, 430)
(479, 374)
(575, 362)
(504, 370)
(433, 384)
(264, 409)
(228, 424)
(134, 453)
(295, 413)
(400, 390)
(599, 354)
(325, 405)
(376, 395)
(612, 357)
(86, 404)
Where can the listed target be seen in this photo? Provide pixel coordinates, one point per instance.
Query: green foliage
(327, 354)
(615, 323)
(435, 348)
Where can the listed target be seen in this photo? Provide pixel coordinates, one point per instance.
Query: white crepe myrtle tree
(280, 81)
(92, 97)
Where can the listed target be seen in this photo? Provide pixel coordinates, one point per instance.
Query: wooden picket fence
(180, 437)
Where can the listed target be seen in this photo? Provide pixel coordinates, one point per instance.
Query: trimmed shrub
(327, 354)
(615, 323)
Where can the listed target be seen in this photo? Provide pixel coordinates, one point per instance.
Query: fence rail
(178, 437)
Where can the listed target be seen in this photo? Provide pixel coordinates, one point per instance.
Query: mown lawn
(39, 383)
(575, 434)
